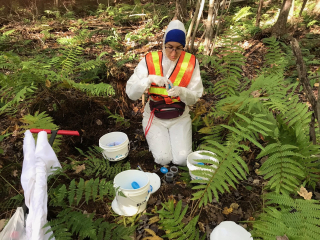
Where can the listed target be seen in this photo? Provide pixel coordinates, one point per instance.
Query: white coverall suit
(168, 139)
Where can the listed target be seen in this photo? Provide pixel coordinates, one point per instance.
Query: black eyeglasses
(171, 49)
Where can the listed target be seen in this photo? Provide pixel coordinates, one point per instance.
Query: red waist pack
(167, 111)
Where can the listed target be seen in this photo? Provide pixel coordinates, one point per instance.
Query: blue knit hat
(176, 35)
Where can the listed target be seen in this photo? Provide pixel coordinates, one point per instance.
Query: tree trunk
(192, 23)
(302, 7)
(197, 24)
(302, 73)
(316, 9)
(280, 27)
(218, 25)
(181, 10)
(259, 13)
(209, 28)
(291, 13)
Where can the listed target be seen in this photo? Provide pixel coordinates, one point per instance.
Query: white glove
(174, 91)
(160, 81)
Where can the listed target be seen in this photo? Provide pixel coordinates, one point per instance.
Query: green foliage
(12, 202)
(119, 120)
(70, 222)
(275, 58)
(228, 67)
(96, 165)
(282, 171)
(94, 189)
(243, 12)
(24, 77)
(1, 139)
(41, 121)
(171, 217)
(217, 177)
(267, 113)
(297, 218)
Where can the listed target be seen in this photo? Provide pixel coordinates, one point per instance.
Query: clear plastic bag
(14, 230)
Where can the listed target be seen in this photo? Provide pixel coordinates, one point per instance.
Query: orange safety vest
(180, 76)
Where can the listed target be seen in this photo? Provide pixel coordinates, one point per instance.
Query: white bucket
(115, 146)
(136, 199)
(193, 165)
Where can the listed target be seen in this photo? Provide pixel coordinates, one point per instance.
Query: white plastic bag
(14, 230)
(228, 230)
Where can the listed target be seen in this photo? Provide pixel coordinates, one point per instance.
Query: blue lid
(163, 170)
(200, 163)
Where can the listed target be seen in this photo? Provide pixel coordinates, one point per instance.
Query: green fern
(41, 121)
(297, 218)
(171, 217)
(229, 67)
(276, 61)
(19, 96)
(217, 177)
(69, 223)
(70, 59)
(282, 171)
(96, 165)
(101, 89)
(94, 189)
(243, 12)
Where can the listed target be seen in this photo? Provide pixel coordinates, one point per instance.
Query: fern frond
(100, 89)
(69, 223)
(297, 218)
(71, 58)
(87, 189)
(80, 190)
(98, 166)
(281, 168)
(171, 221)
(217, 178)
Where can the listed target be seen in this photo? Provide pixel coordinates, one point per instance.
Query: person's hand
(174, 91)
(160, 81)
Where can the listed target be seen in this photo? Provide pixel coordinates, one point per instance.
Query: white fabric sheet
(39, 162)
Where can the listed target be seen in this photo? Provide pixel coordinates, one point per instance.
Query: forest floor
(87, 115)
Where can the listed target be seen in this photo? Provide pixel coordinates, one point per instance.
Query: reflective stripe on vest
(180, 76)
(154, 63)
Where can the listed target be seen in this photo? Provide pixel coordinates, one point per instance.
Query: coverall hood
(175, 24)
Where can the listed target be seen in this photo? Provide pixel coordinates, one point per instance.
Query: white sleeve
(138, 82)
(194, 90)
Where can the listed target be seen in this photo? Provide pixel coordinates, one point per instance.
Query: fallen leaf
(304, 193)
(227, 211)
(316, 85)
(282, 238)
(98, 122)
(256, 181)
(15, 173)
(153, 235)
(256, 93)
(201, 227)
(153, 220)
(79, 168)
(234, 206)
(48, 83)
(2, 223)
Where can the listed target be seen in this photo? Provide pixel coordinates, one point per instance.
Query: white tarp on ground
(39, 162)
